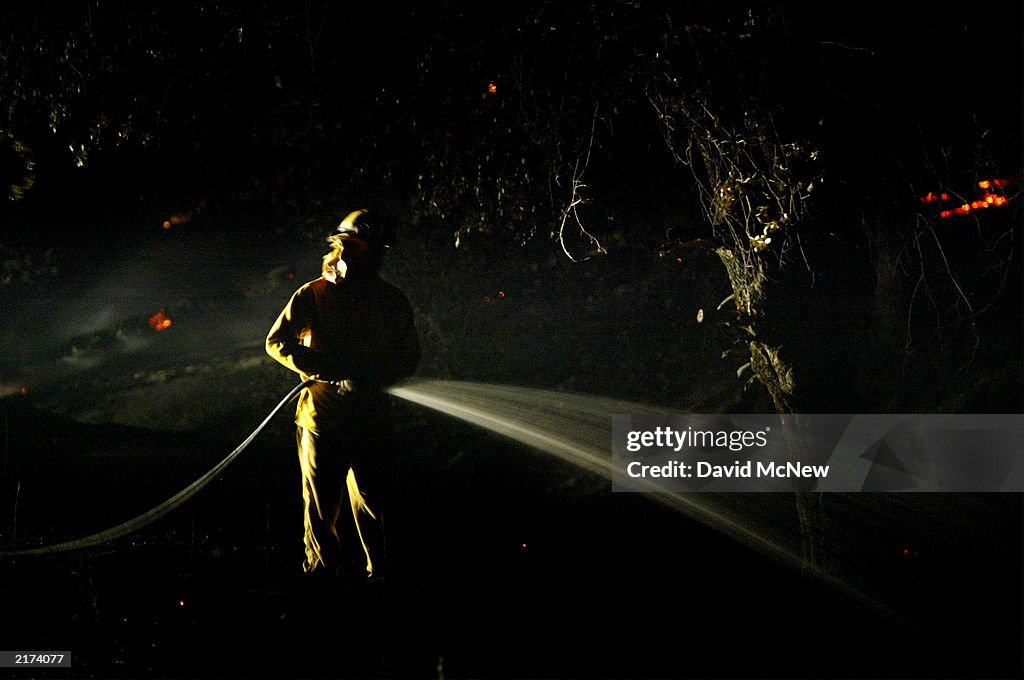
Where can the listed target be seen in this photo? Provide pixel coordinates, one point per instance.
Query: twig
(577, 199)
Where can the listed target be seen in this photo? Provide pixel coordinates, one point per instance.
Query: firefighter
(353, 333)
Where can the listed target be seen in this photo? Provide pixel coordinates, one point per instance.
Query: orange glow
(24, 391)
(989, 200)
(492, 88)
(178, 218)
(159, 321)
(986, 200)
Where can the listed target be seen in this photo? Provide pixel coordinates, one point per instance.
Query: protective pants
(345, 477)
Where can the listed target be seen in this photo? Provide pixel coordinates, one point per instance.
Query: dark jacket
(358, 330)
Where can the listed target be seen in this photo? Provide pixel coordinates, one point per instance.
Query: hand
(344, 386)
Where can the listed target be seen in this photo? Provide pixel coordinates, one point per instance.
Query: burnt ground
(505, 563)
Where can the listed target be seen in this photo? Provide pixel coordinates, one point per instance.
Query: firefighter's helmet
(373, 228)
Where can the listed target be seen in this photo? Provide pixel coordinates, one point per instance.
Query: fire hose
(159, 511)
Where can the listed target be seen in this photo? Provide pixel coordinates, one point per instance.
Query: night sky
(170, 171)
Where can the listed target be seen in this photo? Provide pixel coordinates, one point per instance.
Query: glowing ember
(178, 218)
(492, 88)
(987, 199)
(24, 391)
(159, 321)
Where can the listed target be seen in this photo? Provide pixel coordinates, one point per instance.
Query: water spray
(578, 429)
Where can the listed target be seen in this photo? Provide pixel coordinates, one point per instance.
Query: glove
(344, 386)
